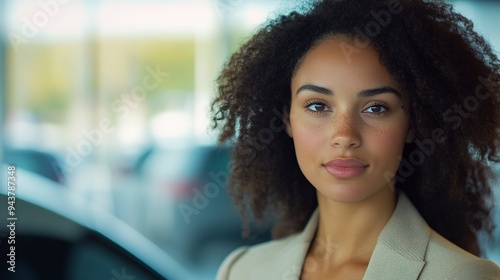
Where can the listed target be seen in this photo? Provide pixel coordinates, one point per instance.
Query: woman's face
(347, 121)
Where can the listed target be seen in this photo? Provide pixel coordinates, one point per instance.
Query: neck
(349, 231)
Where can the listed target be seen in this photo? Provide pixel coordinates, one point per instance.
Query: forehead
(337, 63)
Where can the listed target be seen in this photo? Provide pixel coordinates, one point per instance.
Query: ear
(410, 135)
(286, 121)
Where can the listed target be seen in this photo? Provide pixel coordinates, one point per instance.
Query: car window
(50, 246)
(97, 258)
(94, 257)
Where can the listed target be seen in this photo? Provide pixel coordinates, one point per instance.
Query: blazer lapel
(401, 246)
(289, 265)
(399, 253)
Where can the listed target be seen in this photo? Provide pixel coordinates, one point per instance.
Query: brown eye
(317, 107)
(377, 109)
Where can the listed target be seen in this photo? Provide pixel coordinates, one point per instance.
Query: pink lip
(345, 168)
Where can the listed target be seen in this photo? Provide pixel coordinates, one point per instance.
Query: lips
(345, 168)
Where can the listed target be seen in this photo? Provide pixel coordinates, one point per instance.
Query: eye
(317, 107)
(377, 109)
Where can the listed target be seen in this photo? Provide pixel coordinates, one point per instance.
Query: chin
(345, 193)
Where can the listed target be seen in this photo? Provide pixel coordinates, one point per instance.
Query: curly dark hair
(453, 80)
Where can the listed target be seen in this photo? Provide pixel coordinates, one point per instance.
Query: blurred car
(59, 235)
(38, 161)
(189, 185)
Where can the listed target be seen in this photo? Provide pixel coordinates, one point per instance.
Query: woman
(367, 129)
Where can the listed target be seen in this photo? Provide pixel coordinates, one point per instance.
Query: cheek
(305, 137)
(387, 144)
(308, 140)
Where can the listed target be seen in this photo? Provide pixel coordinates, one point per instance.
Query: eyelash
(315, 102)
(379, 104)
(376, 104)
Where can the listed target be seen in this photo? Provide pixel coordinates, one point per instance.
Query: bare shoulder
(445, 260)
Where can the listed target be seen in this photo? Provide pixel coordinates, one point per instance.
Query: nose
(345, 132)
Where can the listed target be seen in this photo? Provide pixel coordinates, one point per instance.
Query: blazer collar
(401, 246)
(289, 265)
(399, 253)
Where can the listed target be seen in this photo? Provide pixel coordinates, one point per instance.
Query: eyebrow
(363, 93)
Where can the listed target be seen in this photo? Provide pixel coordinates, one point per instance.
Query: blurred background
(108, 100)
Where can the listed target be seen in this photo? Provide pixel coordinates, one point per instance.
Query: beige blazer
(407, 248)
